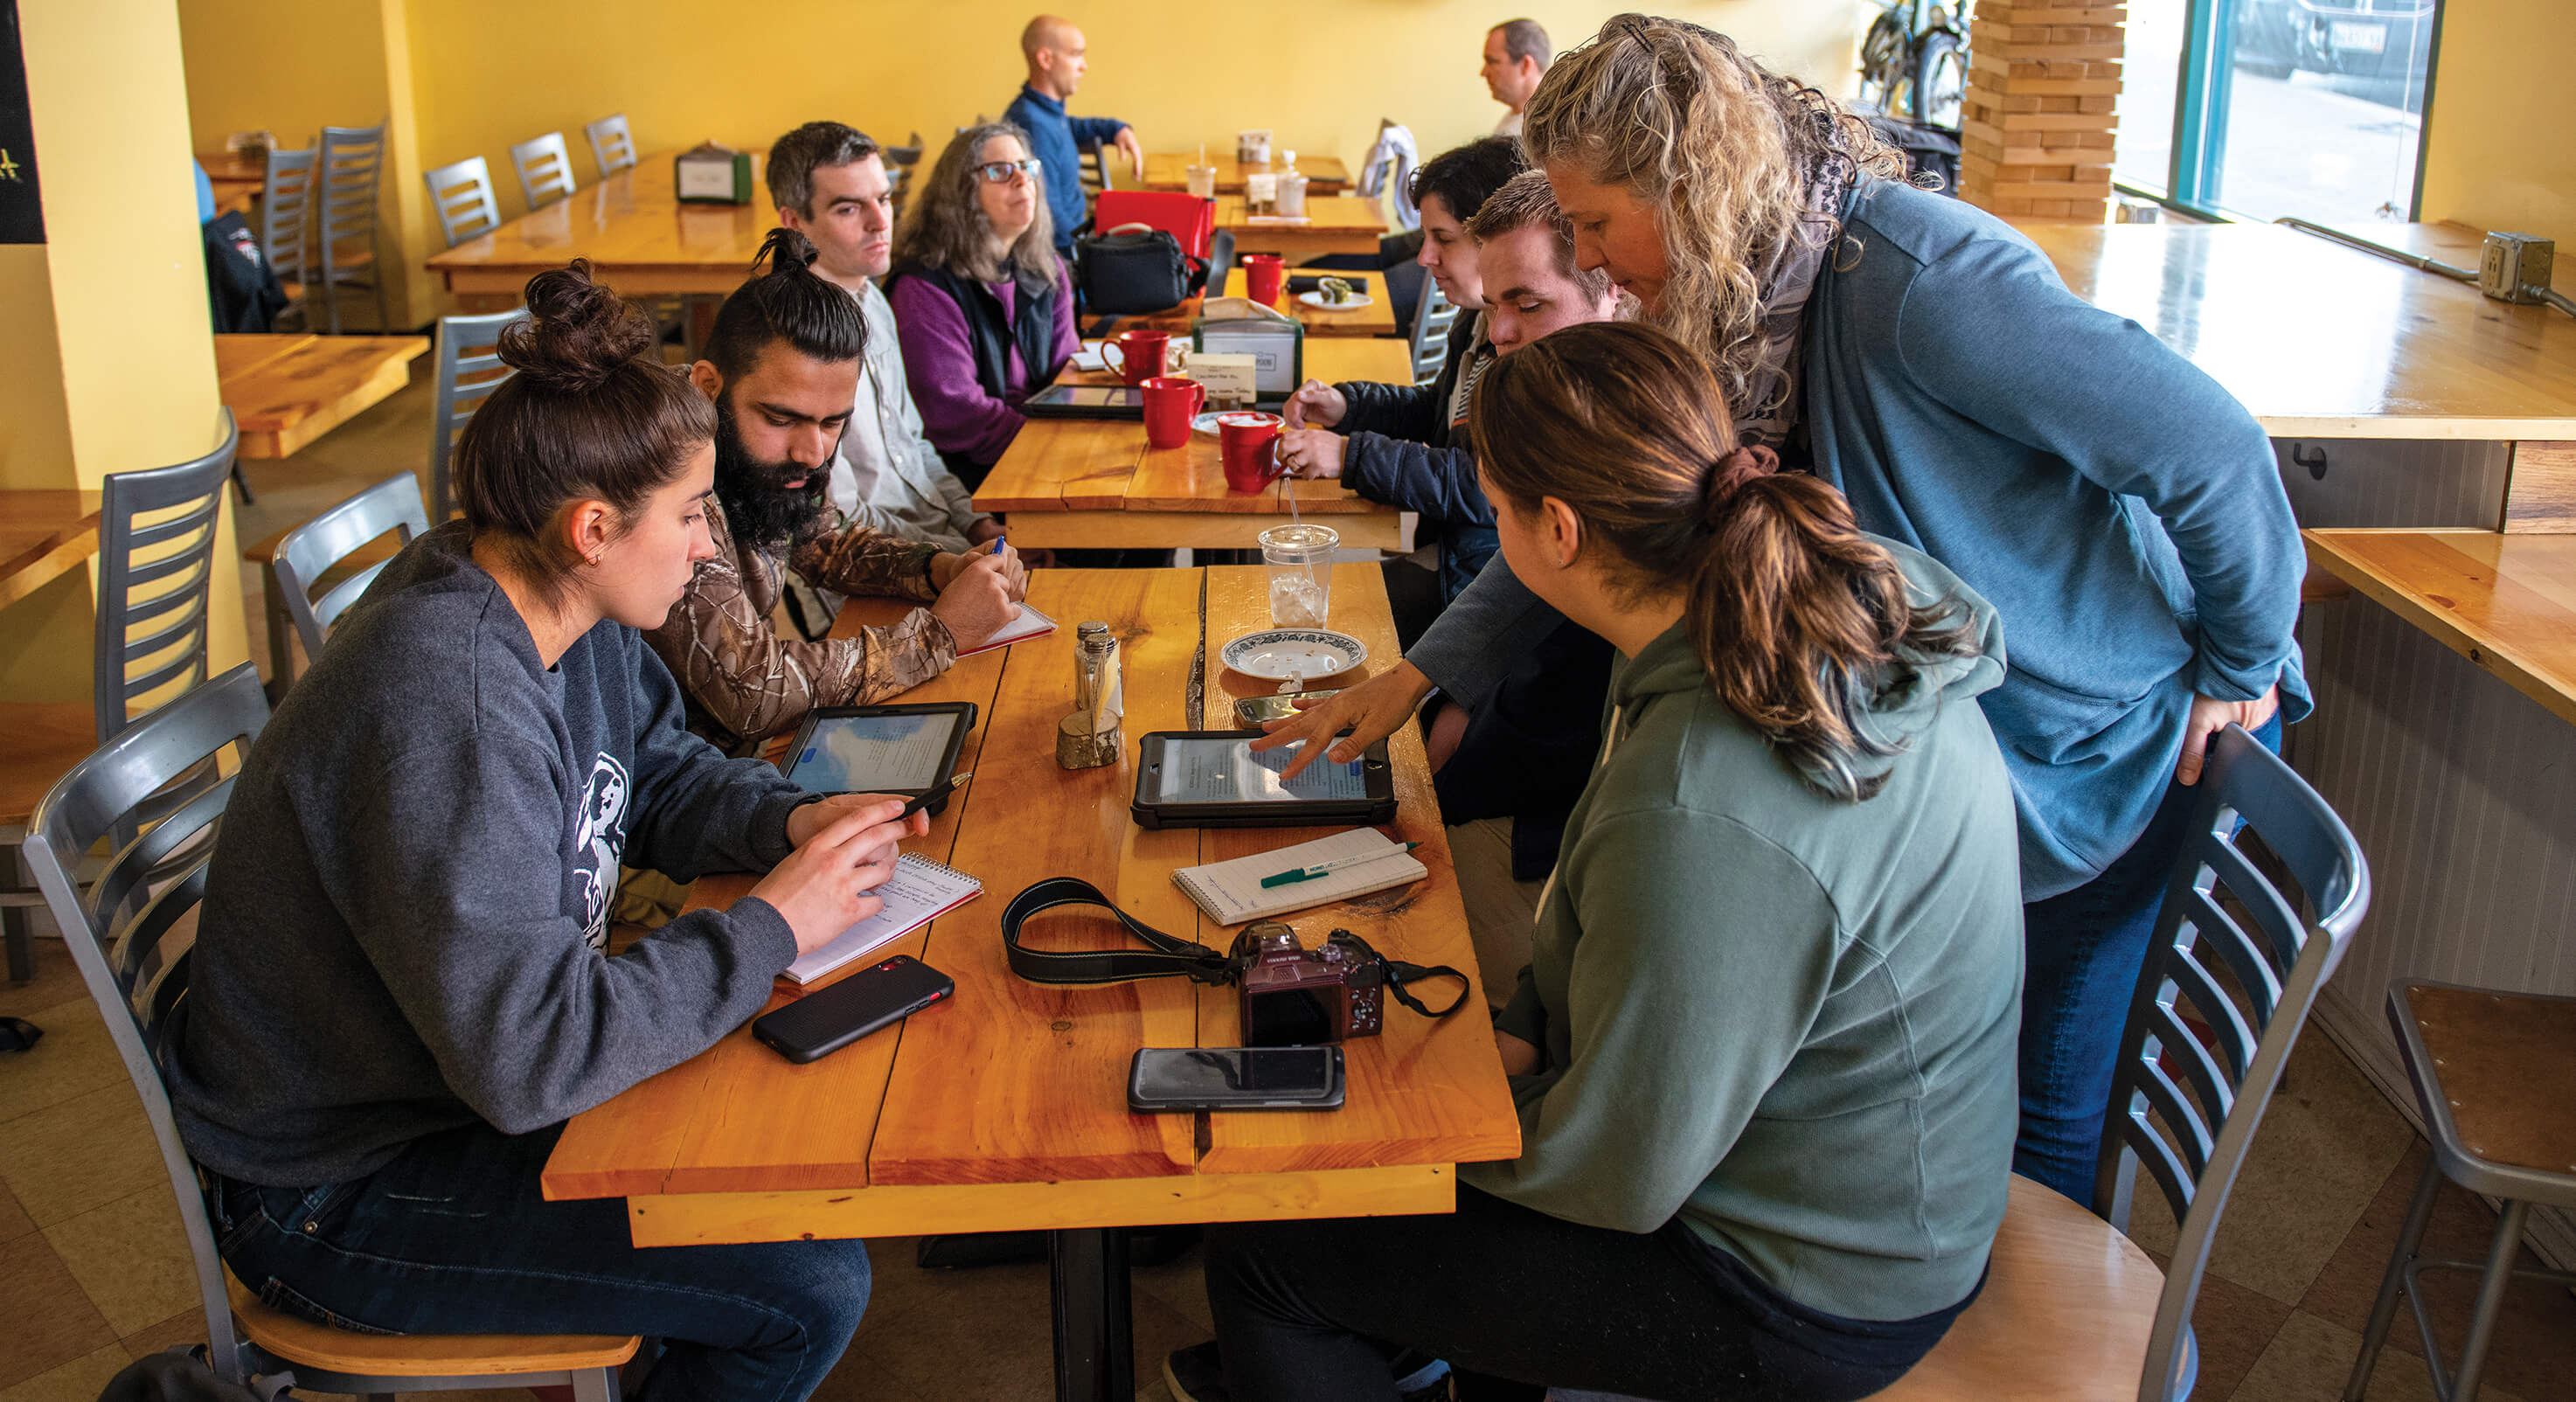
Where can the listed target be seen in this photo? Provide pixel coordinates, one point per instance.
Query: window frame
(2200, 116)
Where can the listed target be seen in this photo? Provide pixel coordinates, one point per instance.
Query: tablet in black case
(1213, 779)
(907, 750)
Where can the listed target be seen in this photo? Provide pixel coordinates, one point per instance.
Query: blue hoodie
(1057, 141)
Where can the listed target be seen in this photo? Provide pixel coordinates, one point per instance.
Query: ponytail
(1798, 619)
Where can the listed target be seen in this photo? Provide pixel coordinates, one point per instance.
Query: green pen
(1322, 868)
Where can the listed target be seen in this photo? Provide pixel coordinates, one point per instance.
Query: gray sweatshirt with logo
(405, 918)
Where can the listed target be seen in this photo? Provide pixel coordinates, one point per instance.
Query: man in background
(1054, 50)
(1516, 54)
(829, 183)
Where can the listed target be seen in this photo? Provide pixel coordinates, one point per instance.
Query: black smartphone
(1235, 1078)
(870, 1000)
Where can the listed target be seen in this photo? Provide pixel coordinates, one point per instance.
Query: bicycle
(1914, 63)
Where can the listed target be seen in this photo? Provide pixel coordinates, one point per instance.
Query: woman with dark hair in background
(1763, 1050)
(2123, 513)
(402, 985)
(982, 304)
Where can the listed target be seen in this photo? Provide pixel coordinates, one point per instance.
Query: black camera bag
(1133, 270)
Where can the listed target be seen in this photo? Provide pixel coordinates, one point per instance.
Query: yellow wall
(482, 75)
(2497, 152)
(120, 292)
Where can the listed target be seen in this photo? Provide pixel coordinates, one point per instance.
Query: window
(2265, 108)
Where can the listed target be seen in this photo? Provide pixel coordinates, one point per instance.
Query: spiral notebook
(1231, 892)
(1030, 624)
(919, 891)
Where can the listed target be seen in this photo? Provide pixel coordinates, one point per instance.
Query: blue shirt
(2122, 512)
(1057, 141)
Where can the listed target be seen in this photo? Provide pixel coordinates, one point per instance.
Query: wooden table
(1332, 224)
(44, 532)
(1004, 1108)
(639, 239)
(1170, 170)
(287, 390)
(1086, 483)
(2324, 341)
(1375, 319)
(237, 179)
(2505, 602)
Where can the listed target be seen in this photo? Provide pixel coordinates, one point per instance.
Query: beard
(765, 516)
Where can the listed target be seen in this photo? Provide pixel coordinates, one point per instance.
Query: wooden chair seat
(299, 1340)
(2064, 1317)
(2490, 1057)
(39, 743)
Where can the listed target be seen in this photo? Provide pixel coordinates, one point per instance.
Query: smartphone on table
(1235, 1078)
(874, 998)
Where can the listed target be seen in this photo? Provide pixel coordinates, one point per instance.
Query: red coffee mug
(1137, 356)
(1262, 275)
(1171, 401)
(1249, 443)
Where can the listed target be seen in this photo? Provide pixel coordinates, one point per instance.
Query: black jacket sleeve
(1438, 482)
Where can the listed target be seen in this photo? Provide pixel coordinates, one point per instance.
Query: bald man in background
(1054, 50)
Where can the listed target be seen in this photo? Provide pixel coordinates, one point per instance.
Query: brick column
(2035, 138)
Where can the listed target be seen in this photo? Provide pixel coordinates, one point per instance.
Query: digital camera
(1296, 997)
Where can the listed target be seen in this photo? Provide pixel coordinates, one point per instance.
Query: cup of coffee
(1262, 275)
(1249, 443)
(1137, 356)
(1171, 401)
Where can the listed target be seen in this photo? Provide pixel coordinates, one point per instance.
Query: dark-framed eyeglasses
(1002, 172)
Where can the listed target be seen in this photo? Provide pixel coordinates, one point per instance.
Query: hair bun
(786, 251)
(579, 333)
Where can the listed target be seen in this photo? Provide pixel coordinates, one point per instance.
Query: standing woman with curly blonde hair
(2120, 510)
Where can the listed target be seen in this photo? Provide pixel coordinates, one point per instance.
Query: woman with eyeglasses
(982, 304)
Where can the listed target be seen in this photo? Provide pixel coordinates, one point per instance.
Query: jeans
(1308, 1311)
(2083, 950)
(453, 1238)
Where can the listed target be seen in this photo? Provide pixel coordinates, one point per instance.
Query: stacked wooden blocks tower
(2043, 80)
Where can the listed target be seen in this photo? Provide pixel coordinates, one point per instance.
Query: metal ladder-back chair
(351, 161)
(149, 633)
(286, 221)
(612, 145)
(469, 369)
(2072, 1310)
(1433, 318)
(1095, 170)
(544, 168)
(129, 937)
(296, 560)
(461, 196)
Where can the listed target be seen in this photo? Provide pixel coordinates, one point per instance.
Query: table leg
(1095, 1345)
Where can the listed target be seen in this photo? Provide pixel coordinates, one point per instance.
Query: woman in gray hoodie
(1764, 1049)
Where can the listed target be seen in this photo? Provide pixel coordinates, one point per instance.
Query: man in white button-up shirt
(829, 183)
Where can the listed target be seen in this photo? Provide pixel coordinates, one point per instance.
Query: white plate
(1276, 654)
(1206, 423)
(1089, 357)
(1316, 300)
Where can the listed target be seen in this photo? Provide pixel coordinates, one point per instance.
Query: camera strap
(1168, 956)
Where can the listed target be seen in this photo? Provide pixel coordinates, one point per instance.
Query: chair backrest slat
(2193, 1142)
(612, 144)
(132, 560)
(1433, 318)
(469, 369)
(351, 159)
(127, 878)
(285, 211)
(310, 550)
(108, 792)
(461, 196)
(544, 168)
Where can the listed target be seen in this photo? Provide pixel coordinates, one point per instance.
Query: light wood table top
(2323, 341)
(2505, 602)
(1170, 170)
(1332, 224)
(1004, 1108)
(1093, 483)
(287, 390)
(44, 532)
(639, 238)
(1375, 319)
(237, 179)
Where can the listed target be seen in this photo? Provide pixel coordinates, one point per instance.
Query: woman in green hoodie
(1764, 1050)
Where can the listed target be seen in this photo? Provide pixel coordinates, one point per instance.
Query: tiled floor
(93, 1270)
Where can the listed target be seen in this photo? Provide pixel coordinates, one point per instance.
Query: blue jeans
(454, 1238)
(2083, 950)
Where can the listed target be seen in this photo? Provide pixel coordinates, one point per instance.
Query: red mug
(1171, 401)
(1249, 443)
(1137, 356)
(1262, 274)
